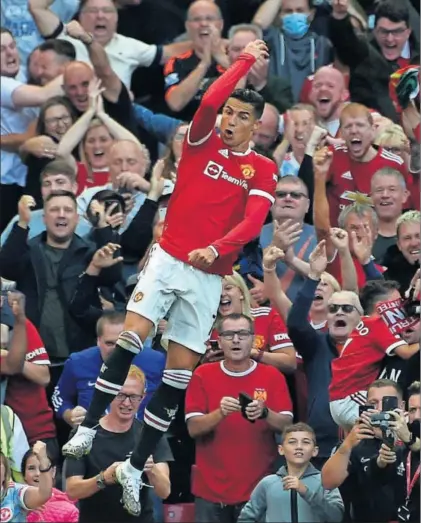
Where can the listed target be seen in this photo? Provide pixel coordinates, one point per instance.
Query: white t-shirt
(125, 54)
(13, 120)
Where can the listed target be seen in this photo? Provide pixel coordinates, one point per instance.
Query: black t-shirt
(178, 69)
(109, 447)
(369, 501)
(122, 110)
(403, 372)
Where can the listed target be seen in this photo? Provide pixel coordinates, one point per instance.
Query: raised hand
(271, 255)
(339, 238)
(286, 234)
(95, 91)
(76, 31)
(41, 146)
(104, 257)
(258, 49)
(40, 452)
(25, 204)
(16, 301)
(157, 181)
(322, 160)
(362, 246)
(318, 261)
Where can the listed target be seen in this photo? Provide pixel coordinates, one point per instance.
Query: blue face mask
(295, 24)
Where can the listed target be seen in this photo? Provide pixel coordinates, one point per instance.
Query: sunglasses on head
(295, 195)
(333, 308)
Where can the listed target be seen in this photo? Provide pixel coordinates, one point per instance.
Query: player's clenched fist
(258, 49)
(202, 258)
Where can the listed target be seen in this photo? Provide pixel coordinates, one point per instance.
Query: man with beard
(47, 269)
(319, 349)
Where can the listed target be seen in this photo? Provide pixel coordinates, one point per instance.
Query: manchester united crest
(260, 395)
(248, 171)
(138, 296)
(259, 341)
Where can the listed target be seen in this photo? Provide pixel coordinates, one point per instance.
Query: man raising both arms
(221, 199)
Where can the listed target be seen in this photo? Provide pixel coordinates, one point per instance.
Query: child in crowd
(271, 500)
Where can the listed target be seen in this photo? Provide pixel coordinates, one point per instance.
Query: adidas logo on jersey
(347, 175)
(224, 152)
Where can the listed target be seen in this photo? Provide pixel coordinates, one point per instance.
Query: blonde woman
(272, 345)
(91, 136)
(18, 499)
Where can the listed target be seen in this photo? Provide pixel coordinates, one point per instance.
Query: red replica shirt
(270, 332)
(29, 400)
(334, 268)
(221, 198)
(360, 360)
(238, 454)
(348, 177)
(100, 178)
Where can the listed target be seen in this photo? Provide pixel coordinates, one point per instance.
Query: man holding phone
(356, 462)
(233, 408)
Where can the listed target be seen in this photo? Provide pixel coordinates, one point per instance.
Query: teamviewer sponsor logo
(213, 170)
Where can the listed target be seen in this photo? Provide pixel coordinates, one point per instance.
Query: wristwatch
(100, 481)
(411, 441)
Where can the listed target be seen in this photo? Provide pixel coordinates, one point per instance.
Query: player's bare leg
(159, 414)
(109, 382)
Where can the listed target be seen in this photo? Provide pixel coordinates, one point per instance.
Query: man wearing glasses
(92, 479)
(291, 203)
(233, 409)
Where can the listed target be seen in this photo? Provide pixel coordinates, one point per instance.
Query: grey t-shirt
(381, 245)
(52, 327)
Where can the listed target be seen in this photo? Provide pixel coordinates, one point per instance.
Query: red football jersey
(238, 454)
(348, 177)
(359, 363)
(270, 332)
(334, 268)
(29, 400)
(214, 186)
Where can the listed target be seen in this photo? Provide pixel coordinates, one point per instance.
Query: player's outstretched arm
(204, 119)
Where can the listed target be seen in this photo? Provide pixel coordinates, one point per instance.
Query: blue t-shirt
(13, 509)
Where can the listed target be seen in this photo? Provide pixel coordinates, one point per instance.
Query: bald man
(187, 76)
(328, 95)
(77, 78)
(266, 134)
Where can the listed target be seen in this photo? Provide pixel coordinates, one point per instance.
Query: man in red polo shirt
(235, 447)
(26, 395)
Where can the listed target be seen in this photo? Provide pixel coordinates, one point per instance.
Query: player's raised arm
(205, 117)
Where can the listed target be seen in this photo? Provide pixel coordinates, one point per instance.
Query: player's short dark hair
(248, 96)
(382, 383)
(234, 316)
(56, 194)
(299, 427)
(393, 11)
(373, 291)
(64, 49)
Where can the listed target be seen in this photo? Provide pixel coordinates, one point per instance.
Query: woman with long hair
(173, 152)
(16, 499)
(55, 118)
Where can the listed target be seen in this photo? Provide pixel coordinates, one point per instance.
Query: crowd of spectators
(306, 405)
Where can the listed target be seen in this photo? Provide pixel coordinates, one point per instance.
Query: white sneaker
(80, 444)
(131, 482)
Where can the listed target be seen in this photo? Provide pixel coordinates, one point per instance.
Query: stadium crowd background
(96, 98)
